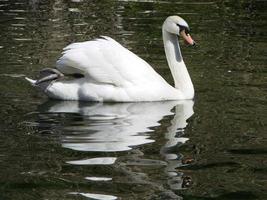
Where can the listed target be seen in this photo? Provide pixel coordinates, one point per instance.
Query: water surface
(211, 148)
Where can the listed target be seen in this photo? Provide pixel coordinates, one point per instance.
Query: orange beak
(187, 38)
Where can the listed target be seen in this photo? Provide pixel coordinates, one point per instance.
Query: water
(212, 148)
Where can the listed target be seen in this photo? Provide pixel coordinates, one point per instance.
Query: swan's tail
(33, 82)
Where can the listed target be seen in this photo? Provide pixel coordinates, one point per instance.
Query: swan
(104, 70)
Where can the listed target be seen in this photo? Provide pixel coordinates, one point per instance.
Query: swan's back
(105, 61)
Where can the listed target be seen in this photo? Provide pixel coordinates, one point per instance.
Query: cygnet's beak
(188, 39)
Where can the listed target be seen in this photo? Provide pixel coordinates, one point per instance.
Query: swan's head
(178, 26)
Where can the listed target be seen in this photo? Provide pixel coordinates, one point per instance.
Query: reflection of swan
(106, 71)
(112, 127)
(174, 137)
(118, 127)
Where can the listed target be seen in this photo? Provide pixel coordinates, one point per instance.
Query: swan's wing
(106, 61)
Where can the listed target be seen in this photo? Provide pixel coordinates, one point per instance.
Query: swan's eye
(186, 29)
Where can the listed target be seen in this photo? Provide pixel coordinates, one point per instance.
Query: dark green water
(212, 148)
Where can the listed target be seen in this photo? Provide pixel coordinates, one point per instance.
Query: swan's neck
(178, 69)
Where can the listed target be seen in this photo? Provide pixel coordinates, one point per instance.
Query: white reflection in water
(95, 196)
(102, 127)
(174, 137)
(98, 178)
(117, 127)
(94, 161)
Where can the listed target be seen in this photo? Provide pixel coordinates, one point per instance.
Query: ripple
(210, 165)
(95, 196)
(20, 18)
(22, 39)
(94, 161)
(113, 143)
(239, 195)
(146, 162)
(98, 178)
(18, 25)
(248, 151)
(74, 10)
(13, 75)
(80, 24)
(17, 11)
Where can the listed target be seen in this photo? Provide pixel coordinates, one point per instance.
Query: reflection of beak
(187, 38)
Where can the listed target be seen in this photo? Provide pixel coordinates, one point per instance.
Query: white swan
(109, 72)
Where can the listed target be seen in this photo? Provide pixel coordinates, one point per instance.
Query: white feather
(106, 61)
